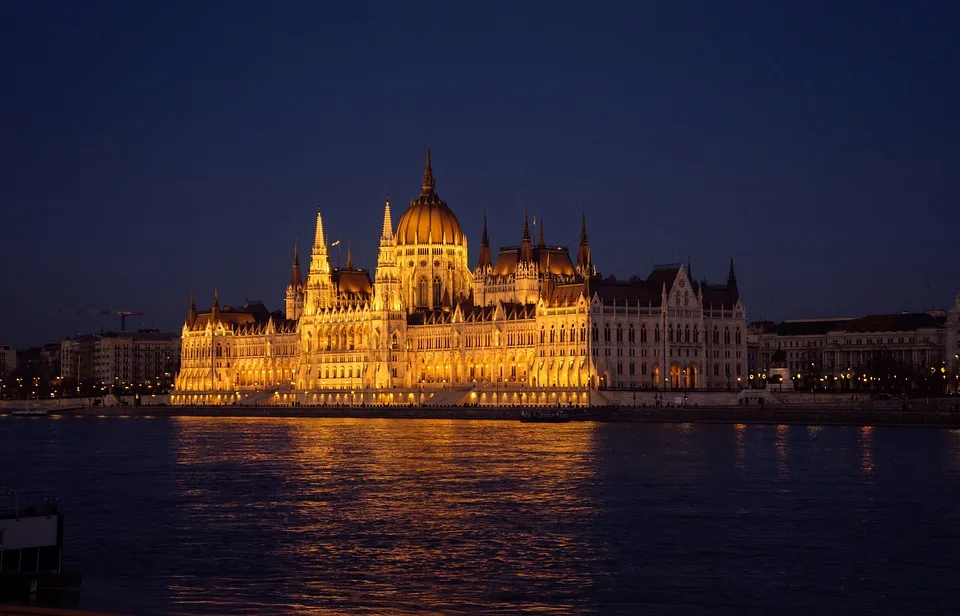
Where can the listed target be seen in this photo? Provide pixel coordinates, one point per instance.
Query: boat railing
(20, 503)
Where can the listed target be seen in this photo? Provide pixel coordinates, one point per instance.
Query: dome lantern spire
(428, 184)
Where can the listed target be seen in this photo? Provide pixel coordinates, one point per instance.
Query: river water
(332, 516)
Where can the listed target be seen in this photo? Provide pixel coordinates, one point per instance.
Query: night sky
(154, 148)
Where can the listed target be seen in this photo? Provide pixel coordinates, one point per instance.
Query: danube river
(317, 516)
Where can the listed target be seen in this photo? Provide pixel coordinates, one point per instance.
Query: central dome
(428, 220)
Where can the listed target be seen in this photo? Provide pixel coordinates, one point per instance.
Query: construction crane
(123, 314)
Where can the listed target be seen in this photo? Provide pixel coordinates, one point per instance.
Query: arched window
(219, 351)
(696, 334)
(726, 335)
(563, 334)
(656, 334)
(542, 334)
(437, 291)
(606, 332)
(423, 290)
(583, 333)
(686, 334)
(596, 333)
(553, 334)
(716, 335)
(619, 332)
(630, 334)
(643, 333)
(670, 334)
(738, 335)
(679, 333)
(395, 343)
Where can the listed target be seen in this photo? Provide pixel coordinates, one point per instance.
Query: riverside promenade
(941, 413)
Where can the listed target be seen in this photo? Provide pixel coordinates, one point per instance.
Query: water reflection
(953, 450)
(395, 514)
(783, 434)
(739, 431)
(268, 516)
(865, 439)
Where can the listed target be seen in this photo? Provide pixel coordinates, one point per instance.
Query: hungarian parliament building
(530, 326)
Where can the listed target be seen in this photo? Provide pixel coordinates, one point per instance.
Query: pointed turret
(526, 246)
(192, 311)
(296, 276)
(484, 246)
(540, 242)
(215, 308)
(387, 234)
(428, 184)
(732, 281)
(319, 241)
(583, 252)
(546, 289)
(349, 258)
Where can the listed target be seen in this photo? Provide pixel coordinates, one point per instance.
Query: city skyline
(144, 147)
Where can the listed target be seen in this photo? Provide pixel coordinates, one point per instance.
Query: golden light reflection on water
(865, 439)
(381, 502)
(782, 445)
(740, 431)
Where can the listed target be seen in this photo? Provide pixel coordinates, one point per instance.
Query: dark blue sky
(154, 148)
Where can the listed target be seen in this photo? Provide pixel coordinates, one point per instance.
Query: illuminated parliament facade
(532, 326)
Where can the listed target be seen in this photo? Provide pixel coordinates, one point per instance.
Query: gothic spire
(319, 242)
(192, 310)
(732, 282)
(387, 221)
(583, 252)
(296, 278)
(541, 243)
(484, 245)
(526, 247)
(349, 258)
(428, 182)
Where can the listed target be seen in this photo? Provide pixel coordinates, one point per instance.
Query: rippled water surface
(274, 516)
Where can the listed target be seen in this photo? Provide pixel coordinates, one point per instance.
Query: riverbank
(806, 415)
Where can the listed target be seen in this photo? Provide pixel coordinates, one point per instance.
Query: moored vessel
(31, 547)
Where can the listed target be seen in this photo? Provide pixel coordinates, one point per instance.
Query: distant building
(8, 358)
(76, 358)
(953, 342)
(121, 359)
(37, 367)
(145, 357)
(881, 351)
